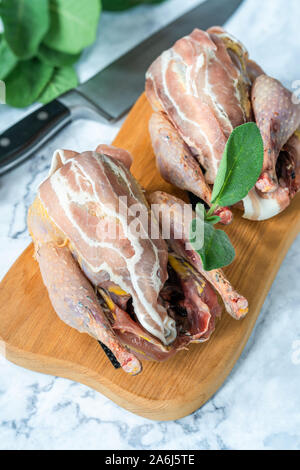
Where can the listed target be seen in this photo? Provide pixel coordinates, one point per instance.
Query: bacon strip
(82, 198)
(116, 153)
(200, 90)
(195, 84)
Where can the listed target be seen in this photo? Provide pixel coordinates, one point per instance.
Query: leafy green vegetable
(240, 166)
(42, 39)
(25, 24)
(8, 60)
(25, 83)
(115, 5)
(217, 250)
(238, 172)
(73, 24)
(56, 58)
(62, 80)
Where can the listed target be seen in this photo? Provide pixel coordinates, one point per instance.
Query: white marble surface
(258, 407)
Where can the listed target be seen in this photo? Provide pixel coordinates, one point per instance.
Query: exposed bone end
(266, 183)
(238, 307)
(225, 215)
(132, 366)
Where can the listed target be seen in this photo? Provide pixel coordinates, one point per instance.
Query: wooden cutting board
(37, 339)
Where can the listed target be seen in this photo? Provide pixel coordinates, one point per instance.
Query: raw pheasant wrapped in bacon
(201, 89)
(142, 296)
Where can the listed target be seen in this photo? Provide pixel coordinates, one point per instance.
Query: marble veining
(258, 405)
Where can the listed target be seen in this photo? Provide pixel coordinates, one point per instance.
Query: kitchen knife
(110, 94)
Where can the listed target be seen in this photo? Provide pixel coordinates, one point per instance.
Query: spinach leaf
(240, 166)
(56, 58)
(62, 80)
(25, 24)
(73, 24)
(8, 60)
(25, 83)
(117, 5)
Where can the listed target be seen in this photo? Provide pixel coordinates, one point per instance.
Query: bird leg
(277, 118)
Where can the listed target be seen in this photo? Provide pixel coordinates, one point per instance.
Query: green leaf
(217, 250)
(117, 5)
(25, 24)
(56, 58)
(8, 60)
(212, 219)
(26, 82)
(62, 80)
(203, 215)
(240, 166)
(73, 24)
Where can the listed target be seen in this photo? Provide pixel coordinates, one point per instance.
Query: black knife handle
(19, 141)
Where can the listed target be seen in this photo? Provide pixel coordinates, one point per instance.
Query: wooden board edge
(152, 409)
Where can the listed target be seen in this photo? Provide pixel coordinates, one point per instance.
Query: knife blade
(109, 94)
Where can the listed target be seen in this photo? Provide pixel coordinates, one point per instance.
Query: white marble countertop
(258, 407)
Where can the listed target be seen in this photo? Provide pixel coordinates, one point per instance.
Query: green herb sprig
(238, 172)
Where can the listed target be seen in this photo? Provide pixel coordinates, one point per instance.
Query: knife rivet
(42, 115)
(4, 142)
